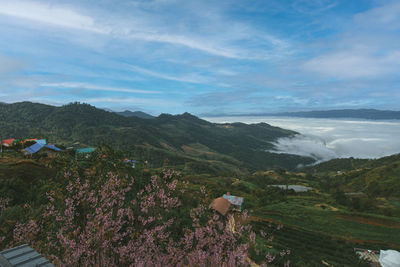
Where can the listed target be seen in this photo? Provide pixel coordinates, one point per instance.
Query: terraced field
(312, 249)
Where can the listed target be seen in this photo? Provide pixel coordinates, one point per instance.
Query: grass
(308, 248)
(304, 213)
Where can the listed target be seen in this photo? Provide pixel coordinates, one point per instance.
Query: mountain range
(183, 139)
(371, 114)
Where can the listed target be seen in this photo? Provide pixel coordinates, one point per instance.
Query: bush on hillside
(110, 219)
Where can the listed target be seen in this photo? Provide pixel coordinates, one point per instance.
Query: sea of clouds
(325, 139)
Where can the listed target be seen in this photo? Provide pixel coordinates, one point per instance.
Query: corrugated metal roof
(53, 147)
(23, 256)
(34, 148)
(85, 150)
(7, 142)
(41, 141)
(38, 146)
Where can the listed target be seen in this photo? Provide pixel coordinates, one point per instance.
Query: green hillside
(375, 177)
(317, 225)
(139, 114)
(238, 145)
(353, 202)
(347, 164)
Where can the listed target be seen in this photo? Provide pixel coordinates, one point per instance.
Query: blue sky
(202, 56)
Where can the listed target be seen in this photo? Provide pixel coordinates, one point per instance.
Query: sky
(202, 57)
(325, 139)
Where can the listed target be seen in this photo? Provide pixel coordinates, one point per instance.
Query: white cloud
(10, 64)
(62, 16)
(148, 27)
(387, 16)
(355, 64)
(86, 86)
(324, 139)
(305, 145)
(153, 102)
(367, 46)
(313, 7)
(188, 78)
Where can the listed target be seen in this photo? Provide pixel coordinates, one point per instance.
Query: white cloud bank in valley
(325, 139)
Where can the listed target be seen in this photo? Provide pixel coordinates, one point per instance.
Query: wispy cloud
(386, 16)
(355, 64)
(62, 16)
(86, 86)
(239, 57)
(132, 101)
(312, 7)
(10, 64)
(368, 47)
(141, 29)
(184, 78)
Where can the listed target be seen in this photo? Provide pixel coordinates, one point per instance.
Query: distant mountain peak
(372, 114)
(364, 113)
(139, 114)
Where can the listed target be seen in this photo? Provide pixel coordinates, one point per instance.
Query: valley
(353, 203)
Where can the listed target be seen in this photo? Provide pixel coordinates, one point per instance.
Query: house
(371, 256)
(49, 150)
(131, 161)
(23, 256)
(86, 150)
(237, 202)
(389, 258)
(28, 140)
(221, 205)
(41, 141)
(7, 142)
(33, 149)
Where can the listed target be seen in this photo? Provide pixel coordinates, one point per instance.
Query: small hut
(221, 205)
(85, 150)
(132, 162)
(7, 142)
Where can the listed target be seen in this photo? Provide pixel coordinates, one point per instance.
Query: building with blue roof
(41, 141)
(38, 146)
(23, 256)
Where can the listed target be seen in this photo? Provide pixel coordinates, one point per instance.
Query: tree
(108, 220)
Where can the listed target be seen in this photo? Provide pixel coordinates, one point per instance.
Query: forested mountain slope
(139, 114)
(375, 177)
(182, 138)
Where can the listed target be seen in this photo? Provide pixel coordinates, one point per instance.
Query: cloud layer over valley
(324, 139)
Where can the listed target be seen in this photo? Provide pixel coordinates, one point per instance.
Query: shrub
(112, 220)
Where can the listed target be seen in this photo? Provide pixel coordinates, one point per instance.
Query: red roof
(7, 142)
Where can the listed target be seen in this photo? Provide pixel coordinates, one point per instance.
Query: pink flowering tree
(3, 205)
(113, 220)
